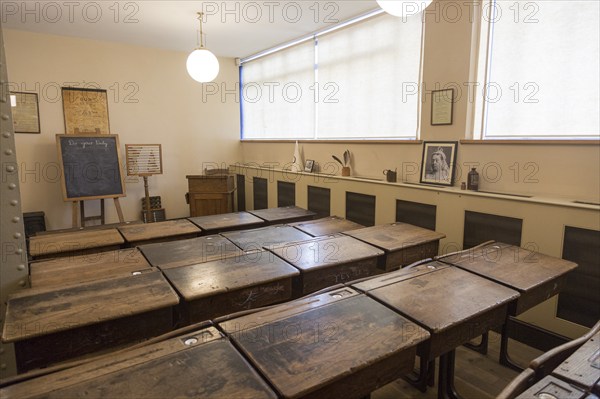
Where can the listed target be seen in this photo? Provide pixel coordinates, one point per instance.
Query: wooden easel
(81, 211)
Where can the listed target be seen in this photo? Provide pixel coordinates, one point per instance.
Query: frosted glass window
(374, 69)
(542, 76)
(277, 94)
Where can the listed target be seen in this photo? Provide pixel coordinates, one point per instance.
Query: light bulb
(400, 8)
(202, 65)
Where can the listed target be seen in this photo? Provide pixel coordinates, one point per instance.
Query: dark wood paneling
(241, 192)
(360, 208)
(286, 194)
(579, 301)
(482, 227)
(261, 193)
(415, 213)
(319, 201)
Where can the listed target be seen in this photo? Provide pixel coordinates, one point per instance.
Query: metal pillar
(14, 269)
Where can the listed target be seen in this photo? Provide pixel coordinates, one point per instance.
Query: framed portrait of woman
(439, 162)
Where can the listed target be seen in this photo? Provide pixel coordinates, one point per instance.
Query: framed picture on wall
(439, 162)
(442, 102)
(85, 110)
(25, 112)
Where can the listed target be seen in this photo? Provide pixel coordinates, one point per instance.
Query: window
(360, 81)
(538, 70)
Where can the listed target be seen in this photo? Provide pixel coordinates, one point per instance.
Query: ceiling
(233, 28)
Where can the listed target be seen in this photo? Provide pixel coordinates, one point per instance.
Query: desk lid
(42, 312)
(226, 220)
(395, 236)
(326, 226)
(282, 214)
(265, 237)
(150, 231)
(73, 241)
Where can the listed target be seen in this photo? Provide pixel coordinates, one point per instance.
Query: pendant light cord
(201, 41)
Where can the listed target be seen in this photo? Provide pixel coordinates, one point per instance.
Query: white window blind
(277, 95)
(360, 81)
(374, 67)
(542, 78)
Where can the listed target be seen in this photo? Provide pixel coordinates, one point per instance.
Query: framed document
(25, 112)
(441, 107)
(86, 111)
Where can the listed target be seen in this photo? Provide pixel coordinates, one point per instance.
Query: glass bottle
(473, 180)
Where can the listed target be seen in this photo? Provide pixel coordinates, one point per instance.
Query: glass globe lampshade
(202, 65)
(398, 8)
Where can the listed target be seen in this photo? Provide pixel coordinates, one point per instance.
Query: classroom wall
(151, 100)
(565, 171)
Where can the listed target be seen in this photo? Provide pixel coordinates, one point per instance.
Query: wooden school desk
(77, 242)
(551, 387)
(285, 214)
(582, 368)
(84, 268)
(337, 345)
(403, 243)
(326, 226)
(225, 286)
(52, 325)
(455, 306)
(265, 237)
(327, 261)
(215, 224)
(201, 364)
(535, 276)
(169, 230)
(167, 255)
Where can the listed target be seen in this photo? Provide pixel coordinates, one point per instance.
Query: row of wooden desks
(66, 243)
(344, 343)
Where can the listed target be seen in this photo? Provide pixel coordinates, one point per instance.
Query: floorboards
(477, 376)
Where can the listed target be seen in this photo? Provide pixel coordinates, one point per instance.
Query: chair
(519, 385)
(544, 364)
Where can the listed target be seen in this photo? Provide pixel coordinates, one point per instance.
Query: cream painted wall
(151, 100)
(565, 171)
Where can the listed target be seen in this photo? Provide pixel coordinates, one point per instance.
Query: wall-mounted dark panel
(319, 201)
(360, 208)
(482, 227)
(286, 194)
(415, 213)
(261, 193)
(241, 193)
(579, 300)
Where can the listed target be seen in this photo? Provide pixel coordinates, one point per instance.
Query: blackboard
(91, 166)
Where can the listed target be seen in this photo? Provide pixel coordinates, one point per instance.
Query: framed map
(85, 110)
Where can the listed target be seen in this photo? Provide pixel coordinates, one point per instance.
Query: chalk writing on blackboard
(91, 167)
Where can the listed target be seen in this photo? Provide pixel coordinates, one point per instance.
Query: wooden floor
(477, 376)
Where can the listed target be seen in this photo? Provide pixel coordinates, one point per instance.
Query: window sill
(532, 142)
(393, 141)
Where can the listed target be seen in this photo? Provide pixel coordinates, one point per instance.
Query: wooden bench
(167, 255)
(85, 268)
(74, 243)
(215, 224)
(326, 226)
(169, 230)
(225, 286)
(285, 214)
(53, 325)
(200, 364)
(338, 344)
(403, 243)
(327, 261)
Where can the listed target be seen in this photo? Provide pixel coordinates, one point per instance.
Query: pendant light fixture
(202, 65)
(398, 8)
